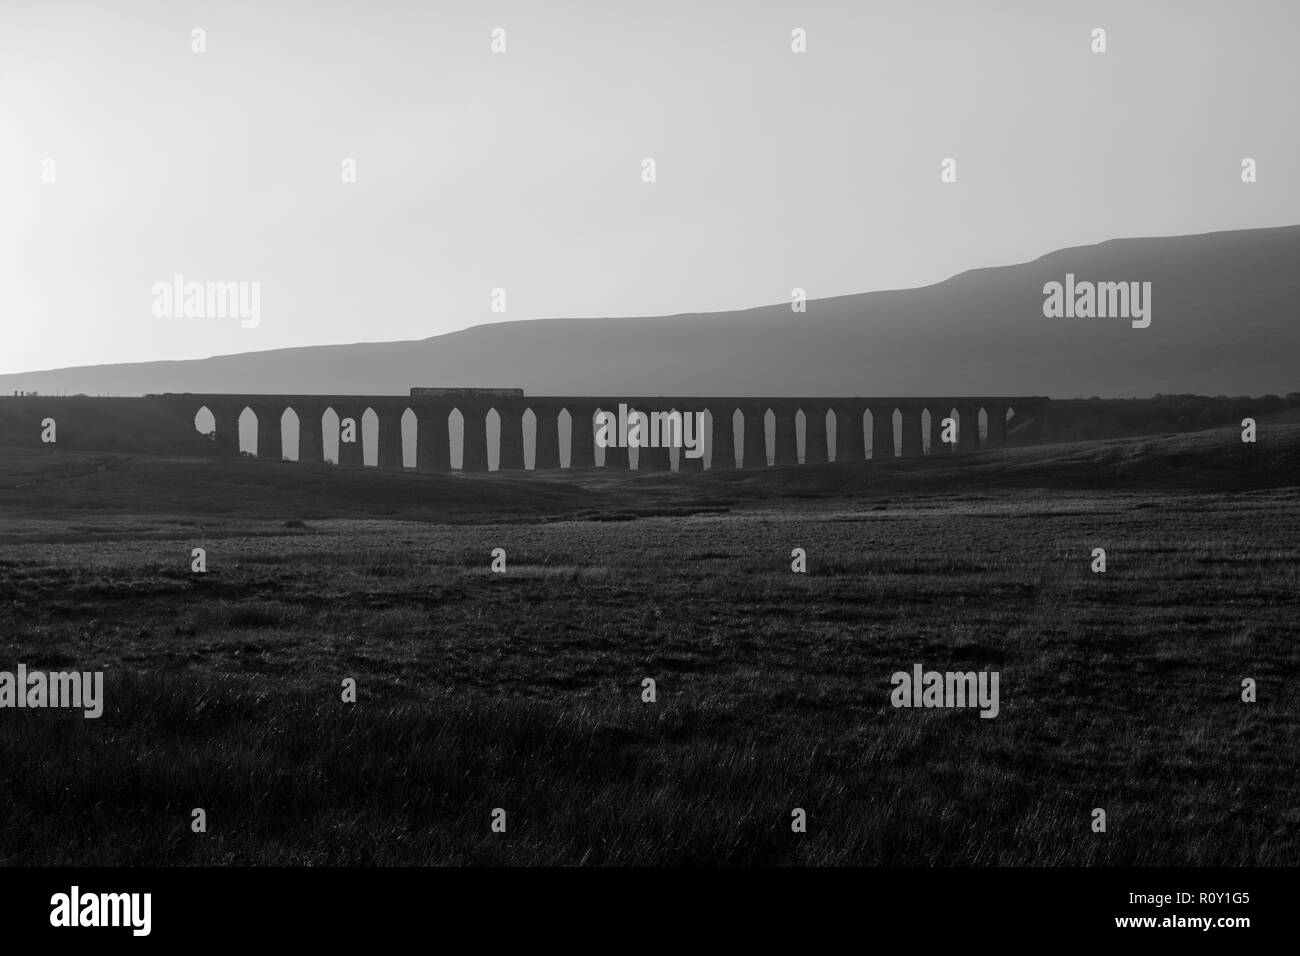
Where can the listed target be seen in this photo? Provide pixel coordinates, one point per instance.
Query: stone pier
(432, 440)
(270, 444)
(311, 434)
(997, 425)
(911, 431)
(616, 457)
(849, 443)
(582, 436)
(475, 450)
(226, 421)
(654, 459)
(882, 433)
(755, 450)
(968, 428)
(547, 445)
(512, 440)
(814, 435)
(787, 440)
(723, 449)
(390, 439)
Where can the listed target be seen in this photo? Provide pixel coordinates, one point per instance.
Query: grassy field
(522, 690)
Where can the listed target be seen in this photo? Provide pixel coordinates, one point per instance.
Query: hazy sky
(522, 169)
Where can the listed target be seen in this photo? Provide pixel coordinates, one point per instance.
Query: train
(427, 391)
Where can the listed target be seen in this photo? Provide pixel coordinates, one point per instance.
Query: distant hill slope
(1223, 322)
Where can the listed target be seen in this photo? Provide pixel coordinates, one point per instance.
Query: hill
(1222, 322)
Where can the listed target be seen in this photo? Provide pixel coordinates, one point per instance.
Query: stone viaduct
(890, 427)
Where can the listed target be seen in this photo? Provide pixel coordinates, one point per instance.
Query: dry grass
(522, 690)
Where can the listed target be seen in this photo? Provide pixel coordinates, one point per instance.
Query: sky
(522, 170)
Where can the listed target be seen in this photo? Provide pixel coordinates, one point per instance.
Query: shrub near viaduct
(903, 427)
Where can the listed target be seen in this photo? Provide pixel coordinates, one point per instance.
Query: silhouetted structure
(906, 427)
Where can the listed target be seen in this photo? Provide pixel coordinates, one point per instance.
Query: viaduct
(897, 427)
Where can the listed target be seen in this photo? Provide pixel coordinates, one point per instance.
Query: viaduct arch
(832, 429)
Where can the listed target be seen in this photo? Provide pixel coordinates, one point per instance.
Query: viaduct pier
(763, 431)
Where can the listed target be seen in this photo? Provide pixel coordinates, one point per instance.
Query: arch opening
(369, 424)
(205, 423)
(456, 436)
(290, 434)
(329, 424)
(738, 436)
(528, 425)
(410, 435)
(564, 425)
(248, 431)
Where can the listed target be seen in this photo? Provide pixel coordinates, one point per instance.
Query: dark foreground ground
(522, 690)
